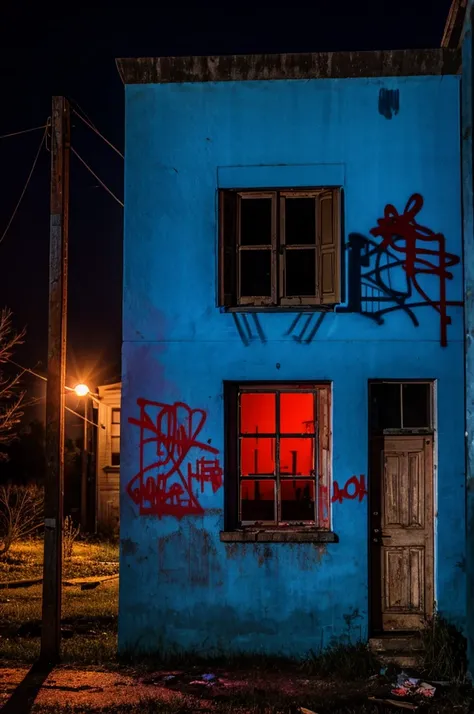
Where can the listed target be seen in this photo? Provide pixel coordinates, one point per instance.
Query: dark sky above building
(70, 50)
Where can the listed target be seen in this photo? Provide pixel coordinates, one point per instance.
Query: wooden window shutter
(227, 248)
(329, 241)
(324, 457)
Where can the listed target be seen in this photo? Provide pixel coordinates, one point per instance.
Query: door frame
(375, 450)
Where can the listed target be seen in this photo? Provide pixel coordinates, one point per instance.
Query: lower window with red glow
(279, 442)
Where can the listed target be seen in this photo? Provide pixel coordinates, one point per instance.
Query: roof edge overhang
(322, 65)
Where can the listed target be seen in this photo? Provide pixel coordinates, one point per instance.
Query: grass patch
(89, 622)
(445, 652)
(23, 605)
(344, 662)
(89, 558)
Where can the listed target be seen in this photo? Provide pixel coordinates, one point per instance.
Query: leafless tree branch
(21, 513)
(12, 398)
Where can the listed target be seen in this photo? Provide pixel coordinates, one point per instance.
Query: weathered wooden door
(402, 533)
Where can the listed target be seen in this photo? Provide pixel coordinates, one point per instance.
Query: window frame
(113, 437)
(321, 526)
(430, 383)
(327, 253)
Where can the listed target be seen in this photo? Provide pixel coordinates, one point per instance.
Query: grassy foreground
(89, 617)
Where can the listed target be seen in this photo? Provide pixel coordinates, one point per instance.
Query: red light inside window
(257, 413)
(296, 413)
(257, 456)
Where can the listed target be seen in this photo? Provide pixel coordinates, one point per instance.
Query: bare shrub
(21, 513)
(70, 533)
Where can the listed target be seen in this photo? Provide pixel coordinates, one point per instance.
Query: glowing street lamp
(82, 390)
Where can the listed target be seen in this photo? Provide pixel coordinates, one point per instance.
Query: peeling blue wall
(180, 587)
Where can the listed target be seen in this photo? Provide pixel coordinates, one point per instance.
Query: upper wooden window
(279, 248)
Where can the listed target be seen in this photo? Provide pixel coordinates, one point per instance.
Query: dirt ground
(68, 689)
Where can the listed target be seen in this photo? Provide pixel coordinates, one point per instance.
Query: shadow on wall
(383, 276)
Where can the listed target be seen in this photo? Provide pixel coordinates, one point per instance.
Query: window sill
(111, 469)
(278, 536)
(280, 308)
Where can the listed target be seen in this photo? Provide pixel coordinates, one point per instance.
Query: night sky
(71, 51)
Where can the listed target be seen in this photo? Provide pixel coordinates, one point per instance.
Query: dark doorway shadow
(23, 698)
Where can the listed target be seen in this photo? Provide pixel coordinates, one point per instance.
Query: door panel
(402, 544)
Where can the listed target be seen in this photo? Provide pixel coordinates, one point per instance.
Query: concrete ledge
(321, 65)
(278, 536)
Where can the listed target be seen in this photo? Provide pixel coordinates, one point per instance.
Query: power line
(80, 416)
(95, 176)
(94, 129)
(25, 131)
(26, 184)
(83, 112)
(25, 369)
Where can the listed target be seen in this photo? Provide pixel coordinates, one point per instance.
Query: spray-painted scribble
(388, 275)
(163, 485)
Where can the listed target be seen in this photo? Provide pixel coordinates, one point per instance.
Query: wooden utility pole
(55, 394)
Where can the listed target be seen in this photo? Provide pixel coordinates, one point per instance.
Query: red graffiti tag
(162, 485)
(403, 234)
(353, 488)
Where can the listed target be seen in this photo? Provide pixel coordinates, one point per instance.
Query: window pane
(385, 407)
(300, 272)
(255, 273)
(296, 457)
(300, 221)
(297, 500)
(257, 456)
(115, 458)
(257, 413)
(256, 221)
(115, 416)
(297, 413)
(416, 405)
(258, 500)
(115, 429)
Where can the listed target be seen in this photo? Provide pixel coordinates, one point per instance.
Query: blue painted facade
(468, 230)
(181, 588)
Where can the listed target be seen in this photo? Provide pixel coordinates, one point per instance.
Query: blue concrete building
(292, 454)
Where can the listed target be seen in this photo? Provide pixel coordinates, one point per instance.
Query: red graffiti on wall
(402, 234)
(354, 488)
(163, 486)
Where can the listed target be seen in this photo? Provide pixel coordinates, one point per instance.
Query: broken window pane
(257, 456)
(300, 272)
(297, 500)
(257, 413)
(258, 500)
(296, 413)
(416, 405)
(256, 221)
(255, 273)
(296, 457)
(300, 221)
